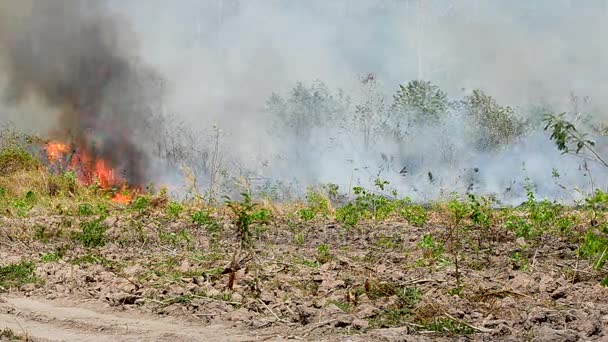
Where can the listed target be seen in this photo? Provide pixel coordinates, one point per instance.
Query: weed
(432, 249)
(85, 209)
(174, 209)
(414, 214)
(595, 249)
(92, 233)
(247, 215)
(519, 261)
(25, 204)
(179, 239)
(16, 275)
(317, 204)
(91, 259)
(323, 254)
(448, 326)
(141, 203)
(50, 257)
(344, 306)
(458, 211)
(16, 159)
(299, 239)
(368, 204)
(203, 218)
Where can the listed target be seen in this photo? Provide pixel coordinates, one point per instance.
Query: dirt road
(43, 320)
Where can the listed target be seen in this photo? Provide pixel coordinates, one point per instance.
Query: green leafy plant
(174, 209)
(421, 101)
(432, 249)
(414, 214)
(595, 248)
(92, 233)
(203, 218)
(16, 275)
(323, 254)
(368, 204)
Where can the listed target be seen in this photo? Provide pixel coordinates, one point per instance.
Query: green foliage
(323, 254)
(480, 211)
(203, 218)
(401, 311)
(565, 135)
(51, 257)
(174, 209)
(92, 233)
(494, 125)
(448, 326)
(85, 209)
(458, 211)
(414, 214)
(94, 259)
(25, 204)
(423, 102)
(141, 203)
(432, 249)
(15, 159)
(247, 214)
(595, 248)
(519, 261)
(16, 275)
(367, 204)
(317, 204)
(179, 239)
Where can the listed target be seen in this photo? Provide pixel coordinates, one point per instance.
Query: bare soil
(374, 282)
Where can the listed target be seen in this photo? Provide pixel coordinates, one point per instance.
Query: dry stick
(578, 256)
(599, 261)
(272, 312)
(534, 259)
(480, 329)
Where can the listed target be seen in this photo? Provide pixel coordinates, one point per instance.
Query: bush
(495, 125)
(16, 159)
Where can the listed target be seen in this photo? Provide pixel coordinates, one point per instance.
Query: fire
(88, 169)
(122, 198)
(56, 151)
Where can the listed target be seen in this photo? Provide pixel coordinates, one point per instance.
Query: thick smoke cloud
(79, 61)
(221, 60)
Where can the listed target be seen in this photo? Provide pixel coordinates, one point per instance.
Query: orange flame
(122, 198)
(56, 151)
(88, 169)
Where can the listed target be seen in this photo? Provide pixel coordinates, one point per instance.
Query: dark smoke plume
(77, 58)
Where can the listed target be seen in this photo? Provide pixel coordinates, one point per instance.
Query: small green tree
(493, 125)
(422, 102)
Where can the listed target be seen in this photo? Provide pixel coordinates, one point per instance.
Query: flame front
(88, 169)
(56, 151)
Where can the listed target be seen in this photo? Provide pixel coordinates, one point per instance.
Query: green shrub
(16, 159)
(174, 209)
(414, 214)
(92, 234)
(16, 275)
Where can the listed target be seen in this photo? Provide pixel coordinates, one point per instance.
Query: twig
(534, 259)
(480, 329)
(423, 280)
(599, 261)
(272, 312)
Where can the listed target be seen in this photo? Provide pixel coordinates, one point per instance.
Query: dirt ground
(311, 281)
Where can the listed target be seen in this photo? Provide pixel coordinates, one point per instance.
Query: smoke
(79, 62)
(221, 61)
